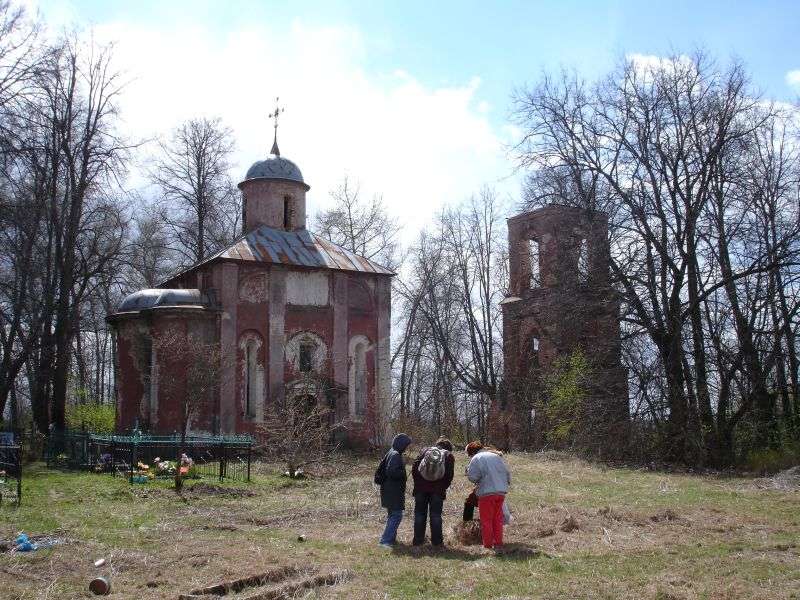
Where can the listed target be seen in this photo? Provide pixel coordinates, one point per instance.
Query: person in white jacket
(488, 470)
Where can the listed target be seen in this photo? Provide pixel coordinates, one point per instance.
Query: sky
(412, 99)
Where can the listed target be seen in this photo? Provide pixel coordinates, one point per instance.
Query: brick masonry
(565, 303)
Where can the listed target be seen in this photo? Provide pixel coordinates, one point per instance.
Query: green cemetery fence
(223, 457)
(10, 470)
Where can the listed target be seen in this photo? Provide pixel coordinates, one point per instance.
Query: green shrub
(566, 394)
(97, 418)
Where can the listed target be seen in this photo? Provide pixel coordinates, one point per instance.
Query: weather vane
(274, 115)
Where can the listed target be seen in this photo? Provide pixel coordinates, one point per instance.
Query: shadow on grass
(509, 552)
(520, 551)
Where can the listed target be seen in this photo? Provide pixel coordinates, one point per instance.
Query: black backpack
(380, 472)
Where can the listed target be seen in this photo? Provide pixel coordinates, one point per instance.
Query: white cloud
(421, 146)
(793, 79)
(646, 65)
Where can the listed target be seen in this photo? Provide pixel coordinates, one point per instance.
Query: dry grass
(579, 531)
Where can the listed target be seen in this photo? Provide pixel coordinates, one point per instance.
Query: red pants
(491, 509)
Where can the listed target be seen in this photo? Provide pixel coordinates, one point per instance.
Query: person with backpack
(391, 477)
(488, 470)
(432, 473)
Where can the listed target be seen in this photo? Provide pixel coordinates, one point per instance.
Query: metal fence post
(133, 460)
(221, 460)
(249, 452)
(19, 475)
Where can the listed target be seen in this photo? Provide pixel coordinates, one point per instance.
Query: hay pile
(468, 533)
(785, 481)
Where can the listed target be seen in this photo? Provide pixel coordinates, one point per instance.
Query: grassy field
(639, 534)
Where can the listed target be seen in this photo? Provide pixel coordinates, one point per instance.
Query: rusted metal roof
(299, 248)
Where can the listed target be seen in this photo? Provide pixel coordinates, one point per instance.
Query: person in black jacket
(429, 496)
(393, 488)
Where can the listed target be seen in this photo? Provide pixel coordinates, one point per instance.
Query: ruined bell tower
(560, 299)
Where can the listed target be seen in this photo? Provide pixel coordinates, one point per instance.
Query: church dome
(161, 298)
(275, 167)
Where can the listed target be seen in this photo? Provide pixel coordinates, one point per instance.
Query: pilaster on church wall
(383, 375)
(228, 276)
(276, 334)
(340, 339)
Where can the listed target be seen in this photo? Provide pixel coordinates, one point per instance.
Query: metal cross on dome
(274, 115)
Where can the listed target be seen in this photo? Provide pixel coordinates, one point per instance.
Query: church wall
(362, 320)
(171, 393)
(130, 388)
(149, 386)
(270, 305)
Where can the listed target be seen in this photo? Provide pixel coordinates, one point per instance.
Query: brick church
(560, 299)
(285, 303)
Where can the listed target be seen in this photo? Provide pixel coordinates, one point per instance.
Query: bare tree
(62, 163)
(20, 57)
(21, 216)
(80, 91)
(151, 258)
(689, 165)
(449, 359)
(300, 431)
(199, 202)
(361, 226)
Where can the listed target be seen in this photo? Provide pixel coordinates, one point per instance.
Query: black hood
(400, 442)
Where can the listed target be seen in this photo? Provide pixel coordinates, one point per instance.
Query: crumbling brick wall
(560, 298)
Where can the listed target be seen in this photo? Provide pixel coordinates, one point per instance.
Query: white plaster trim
(253, 288)
(307, 289)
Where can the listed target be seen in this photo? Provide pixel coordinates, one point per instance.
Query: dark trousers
(423, 503)
(469, 511)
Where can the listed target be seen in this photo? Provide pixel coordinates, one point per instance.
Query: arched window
(306, 357)
(358, 384)
(252, 374)
(534, 260)
(251, 392)
(360, 375)
(149, 376)
(306, 352)
(583, 261)
(287, 212)
(534, 350)
(153, 385)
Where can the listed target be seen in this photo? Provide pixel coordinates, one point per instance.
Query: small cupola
(274, 192)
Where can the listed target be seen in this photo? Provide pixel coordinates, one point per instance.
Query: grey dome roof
(275, 167)
(154, 298)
